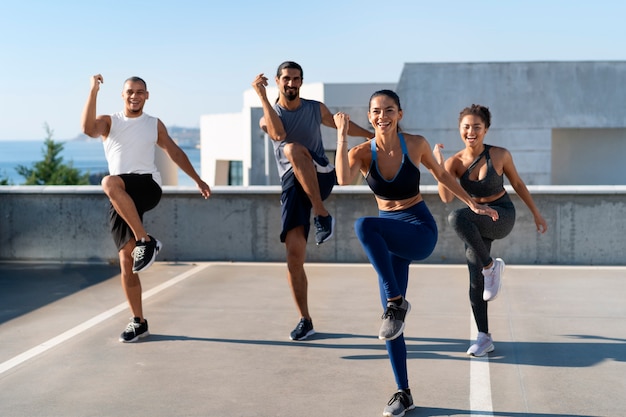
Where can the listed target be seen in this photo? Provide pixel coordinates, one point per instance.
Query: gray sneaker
(493, 280)
(399, 403)
(483, 345)
(393, 320)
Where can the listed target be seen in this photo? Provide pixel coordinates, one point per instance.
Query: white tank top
(130, 146)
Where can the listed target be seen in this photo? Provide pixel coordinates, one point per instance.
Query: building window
(235, 172)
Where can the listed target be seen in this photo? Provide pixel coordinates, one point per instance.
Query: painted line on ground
(480, 382)
(63, 337)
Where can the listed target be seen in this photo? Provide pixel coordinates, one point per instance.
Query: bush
(51, 170)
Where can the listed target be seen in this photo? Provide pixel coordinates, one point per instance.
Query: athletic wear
(493, 280)
(302, 126)
(400, 403)
(324, 228)
(393, 320)
(391, 241)
(295, 206)
(145, 253)
(477, 233)
(492, 184)
(135, 330)
(303, 330)
(129, 148)
(145, 193)
(483, 345)
(405, 184)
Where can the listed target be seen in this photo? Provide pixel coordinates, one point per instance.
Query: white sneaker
(483, 345)
(493, 279)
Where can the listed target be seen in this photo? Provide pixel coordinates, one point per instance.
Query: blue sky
(198, 57)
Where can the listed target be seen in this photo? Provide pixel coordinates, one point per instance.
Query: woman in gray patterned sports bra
(480, 169)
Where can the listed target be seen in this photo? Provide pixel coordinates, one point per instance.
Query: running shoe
(493, 280)
(145, 253)
(135, 330)
(324, 228)
(303, 330)
(483, 345)
(393, 320)
(400, 403)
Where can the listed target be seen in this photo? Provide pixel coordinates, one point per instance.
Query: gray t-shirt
(302, 126)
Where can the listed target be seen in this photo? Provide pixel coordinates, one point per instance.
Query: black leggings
(477, 232)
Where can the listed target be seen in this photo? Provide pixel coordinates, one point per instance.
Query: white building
(564, 122)
(235, 151)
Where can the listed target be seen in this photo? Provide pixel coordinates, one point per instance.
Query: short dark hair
(137, 79)
(289, 65)
(477, 110)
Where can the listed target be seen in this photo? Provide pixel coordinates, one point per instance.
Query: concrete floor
(219, 343)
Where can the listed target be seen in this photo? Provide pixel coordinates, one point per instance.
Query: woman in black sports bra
(404, 230)
(480, 169)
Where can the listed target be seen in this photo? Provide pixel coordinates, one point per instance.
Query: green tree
(51, 170)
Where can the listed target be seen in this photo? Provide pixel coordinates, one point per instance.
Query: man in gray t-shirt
(307, 177)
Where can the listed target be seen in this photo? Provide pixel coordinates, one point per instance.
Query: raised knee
(111, 182)
(293, 150)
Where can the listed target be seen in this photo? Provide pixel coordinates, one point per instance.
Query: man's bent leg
(306, 174)
(114, 188)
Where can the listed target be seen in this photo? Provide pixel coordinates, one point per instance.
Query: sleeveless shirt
(490, 185)
(406, 182)
(130, 146)
(302, 126)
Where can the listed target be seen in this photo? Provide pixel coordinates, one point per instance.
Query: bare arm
(444, 193)
(353, 129)
(91, 125)
(270, 123)
(180, 158)
(347, 165)
(445, 178)
(520, 188)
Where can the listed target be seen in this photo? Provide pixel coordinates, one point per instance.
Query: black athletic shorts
(146, 194)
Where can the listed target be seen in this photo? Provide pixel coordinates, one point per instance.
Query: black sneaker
(303, 330)
(324, 228)
(145, 253)
(135, 330)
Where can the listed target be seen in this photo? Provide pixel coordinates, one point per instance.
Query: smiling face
(384, 114)
(135, 96)
(472, 130)
(289, 83)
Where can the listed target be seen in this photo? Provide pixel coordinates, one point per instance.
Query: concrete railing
(69, 224)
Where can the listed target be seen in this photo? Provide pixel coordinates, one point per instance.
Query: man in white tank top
(133, 185)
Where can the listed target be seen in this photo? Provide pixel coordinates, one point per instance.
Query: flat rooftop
(219, 343)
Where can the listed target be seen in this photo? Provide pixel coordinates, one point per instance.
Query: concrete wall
(529, 101)
(65, 223)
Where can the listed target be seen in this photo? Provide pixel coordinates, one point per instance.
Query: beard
(290, 94)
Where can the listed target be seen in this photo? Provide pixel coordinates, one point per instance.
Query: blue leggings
(391, 241)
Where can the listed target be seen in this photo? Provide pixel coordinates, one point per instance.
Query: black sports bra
(406, 182)
(492, 184)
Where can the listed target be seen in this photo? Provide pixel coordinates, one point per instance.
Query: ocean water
(85, 155)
